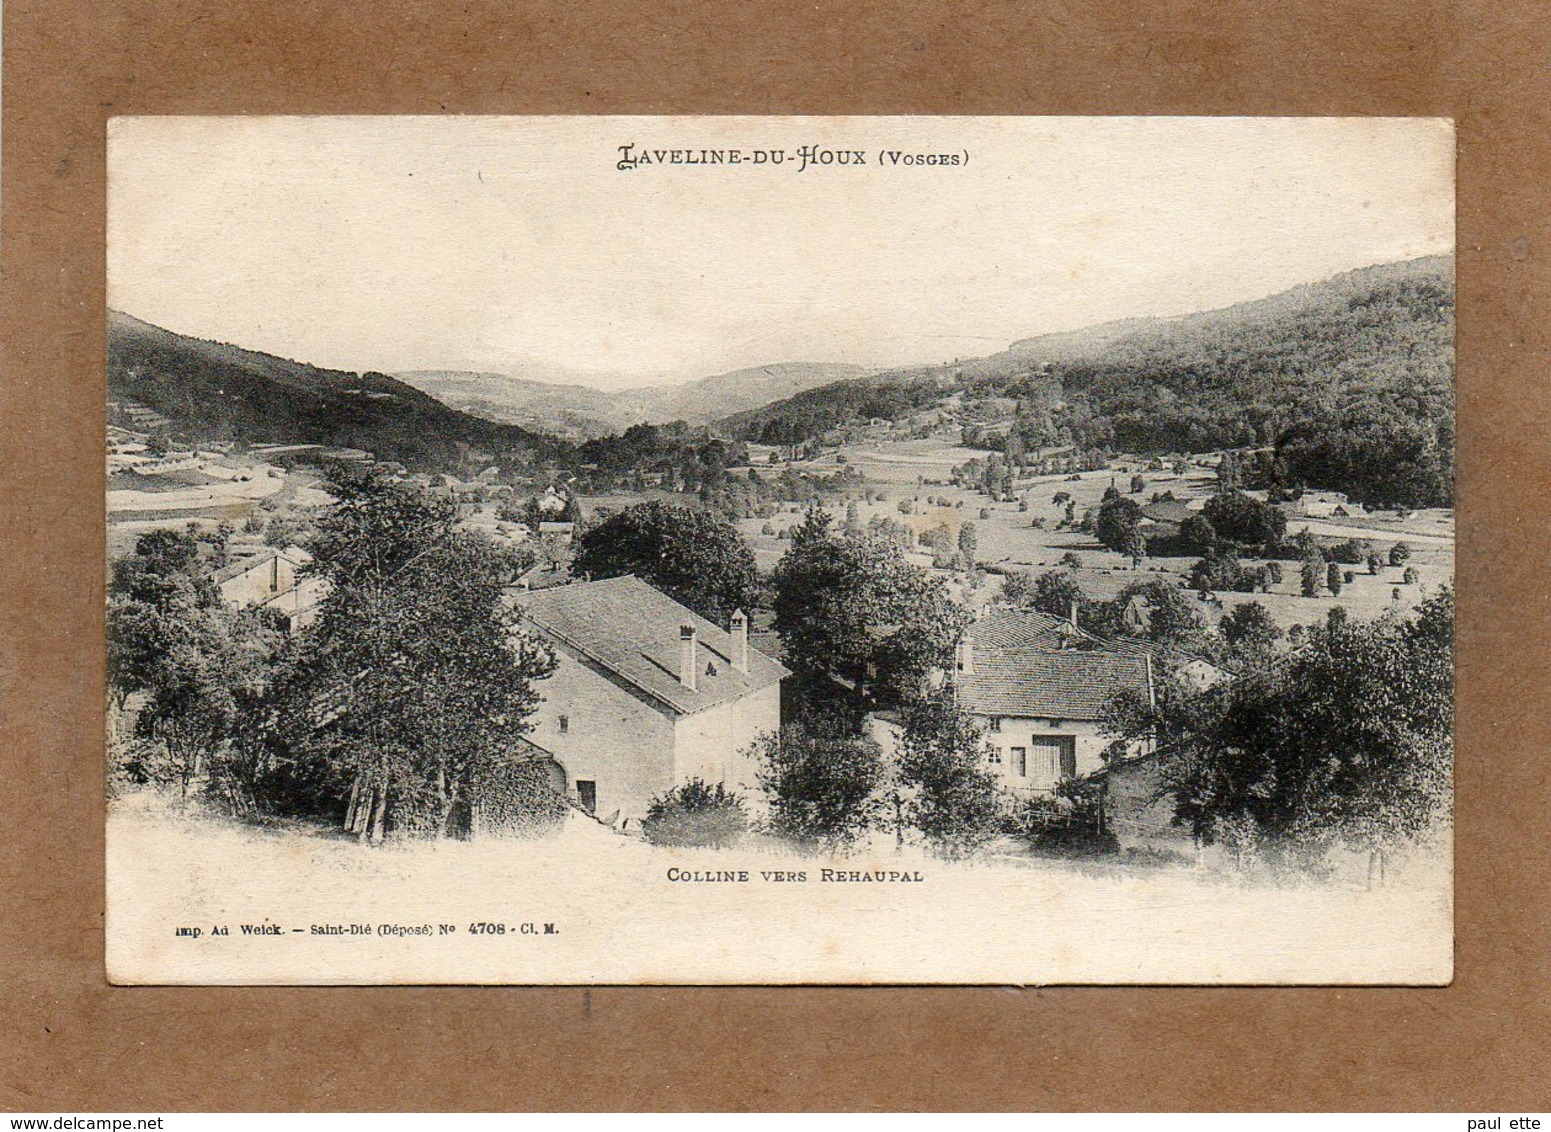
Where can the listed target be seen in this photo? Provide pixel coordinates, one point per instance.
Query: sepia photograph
(780, 550)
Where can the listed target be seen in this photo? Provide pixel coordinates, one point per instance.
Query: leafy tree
(197, 663)
(1171, 618)
(1249, 631)
(1348, 552)
(1410, 577)
(1244, 519)
(1347, 742)
(696, 813)
(967, 541)
(1375, 564)
(692, 556)
(1310, 576)
(856, 609)
(1219, 570)
(1119, 524)
(820, 783)
(1138, 485)
(1198, 534)
(954, 800)
(1274, 572)
(410, 695)
(1055, 592)
(1017, 589)
(1333, 579)
(1229, 472)
(1399, 554)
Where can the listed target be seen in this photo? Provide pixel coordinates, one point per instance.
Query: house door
(1055, 757)
(587, 795)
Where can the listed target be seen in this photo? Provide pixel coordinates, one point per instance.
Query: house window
(994, 757)
(996, 723)
(565, 724)
(1020, 761)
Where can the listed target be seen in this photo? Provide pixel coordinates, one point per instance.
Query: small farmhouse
(269, 579)
(254, 579)
(646, 694)
(1040, 690)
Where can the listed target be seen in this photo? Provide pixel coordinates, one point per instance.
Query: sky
(518, 245)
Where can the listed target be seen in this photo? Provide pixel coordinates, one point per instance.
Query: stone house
(646, 695)
(1040, 689)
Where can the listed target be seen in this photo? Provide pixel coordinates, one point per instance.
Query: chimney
(964, 656)
(687, 656)
(740, 640)
(1071, 612)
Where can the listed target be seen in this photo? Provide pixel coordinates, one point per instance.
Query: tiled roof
(1045, 684)
(1022, 629)
(292, 554)
(1141, 646)
(632, 630)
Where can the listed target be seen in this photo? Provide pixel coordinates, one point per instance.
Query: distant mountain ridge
(1388, 328)
(214, 391)
(584, 411)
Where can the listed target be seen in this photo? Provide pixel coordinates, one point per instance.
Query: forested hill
(211, 391)
(1351, 378)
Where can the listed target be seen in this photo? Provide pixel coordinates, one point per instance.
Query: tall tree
(196, 662)
(820, 783)
(413, 690)
(953, 799)
(1119, 526)
(1348, 741)
(1250, 632)
(692, 556)
(856, 609)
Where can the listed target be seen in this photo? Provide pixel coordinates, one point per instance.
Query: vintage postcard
(708, 550)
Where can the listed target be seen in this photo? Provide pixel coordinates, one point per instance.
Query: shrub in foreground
(696, 813)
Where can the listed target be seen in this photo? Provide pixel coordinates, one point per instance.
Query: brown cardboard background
(68, 1041)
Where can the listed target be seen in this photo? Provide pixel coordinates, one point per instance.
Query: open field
(1007, 539)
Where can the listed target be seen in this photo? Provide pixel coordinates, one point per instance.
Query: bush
(1375, 564)
(1274, 570)
(1348, 553)
(696, 813)
(1218, 571)
(820, 782)
(1399, 554)
(1410, 577)
(1069, 824)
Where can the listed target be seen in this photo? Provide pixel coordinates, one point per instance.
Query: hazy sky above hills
(506, 243)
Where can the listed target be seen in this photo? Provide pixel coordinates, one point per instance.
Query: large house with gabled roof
(646, 695)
